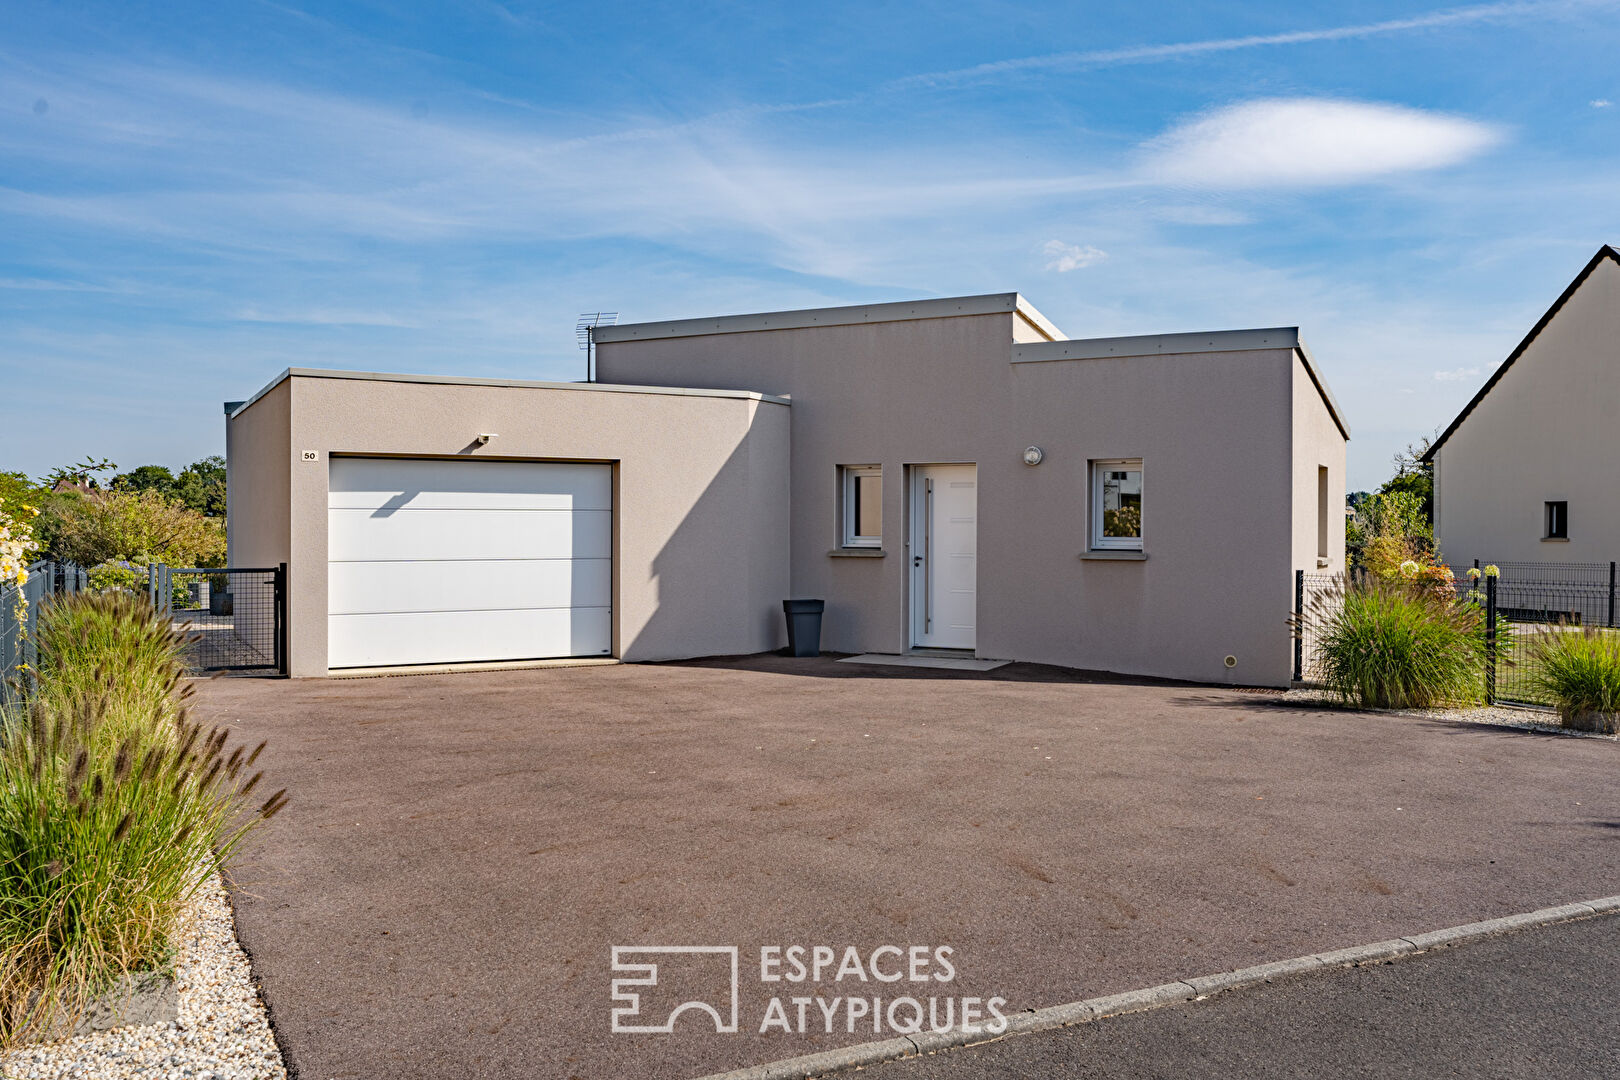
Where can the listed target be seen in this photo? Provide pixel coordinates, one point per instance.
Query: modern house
(950, 475)
(1530, 469)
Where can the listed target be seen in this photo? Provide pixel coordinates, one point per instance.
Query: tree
(1414, 476)
(201, 486)
(145, 478)
(140, 526)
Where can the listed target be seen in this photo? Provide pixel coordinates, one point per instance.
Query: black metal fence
(1522, 600)
(18, 655)
(234, 617)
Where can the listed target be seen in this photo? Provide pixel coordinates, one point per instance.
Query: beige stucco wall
(1215, 431)
(1318, 443)
(1545, 432)
(700, 513)
(258, 460)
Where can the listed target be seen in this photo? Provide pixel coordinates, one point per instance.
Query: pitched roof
(1607, 251)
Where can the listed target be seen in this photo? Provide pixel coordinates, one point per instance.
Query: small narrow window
(1116, 505)
(863, 505)
(1557, 524)
(1321, 512)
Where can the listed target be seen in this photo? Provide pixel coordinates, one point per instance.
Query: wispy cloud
(1457, 374)
(1303, 142)
(1141, 54)
(1600, 103)
(1065, 257)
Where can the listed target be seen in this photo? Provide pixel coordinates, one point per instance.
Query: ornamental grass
(1579, 670)
(115, 806)
(1396, 644)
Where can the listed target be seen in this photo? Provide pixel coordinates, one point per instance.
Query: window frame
(1097, 541)
(848, 485)
(1555, 511)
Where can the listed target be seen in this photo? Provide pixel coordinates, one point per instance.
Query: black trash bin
(804, 626)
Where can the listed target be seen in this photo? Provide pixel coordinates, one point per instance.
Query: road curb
(1072, 1013)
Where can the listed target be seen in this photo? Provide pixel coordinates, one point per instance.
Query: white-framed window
(1116, 505)
(862, 510)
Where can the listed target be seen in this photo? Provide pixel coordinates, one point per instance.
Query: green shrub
(115, 806)
(127, 576)
(1395, 644)
(1580, 672)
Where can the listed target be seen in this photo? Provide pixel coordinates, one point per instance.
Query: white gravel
(222, 1032)
(1543, 720)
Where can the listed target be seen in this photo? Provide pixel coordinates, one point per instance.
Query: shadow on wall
(721, 576)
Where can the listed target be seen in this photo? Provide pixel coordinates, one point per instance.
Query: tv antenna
(583, 330)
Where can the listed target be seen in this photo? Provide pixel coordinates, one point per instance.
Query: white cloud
(1065, 257)
(1600, 103)
(1457, 374)
(1140, 54)
(1311, 142)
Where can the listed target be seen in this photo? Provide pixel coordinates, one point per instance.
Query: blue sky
(194, 196)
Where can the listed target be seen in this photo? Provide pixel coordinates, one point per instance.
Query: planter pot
(1606, 723)
(803, 626)
(219, 603)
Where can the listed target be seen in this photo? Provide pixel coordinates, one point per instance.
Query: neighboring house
(946, 474)
(1530, 469)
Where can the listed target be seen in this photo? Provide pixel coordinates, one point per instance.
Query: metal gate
(235, 617)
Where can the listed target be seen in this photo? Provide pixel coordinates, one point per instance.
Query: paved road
(1538, 1003)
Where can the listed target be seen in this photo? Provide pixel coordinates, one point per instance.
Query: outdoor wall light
(484, 437)
(1033, 455)
(1231, 661)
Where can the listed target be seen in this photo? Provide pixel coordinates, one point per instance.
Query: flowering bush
(16, 545)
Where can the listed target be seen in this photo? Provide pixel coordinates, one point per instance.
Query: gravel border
(222, 1032)
(1544, 721)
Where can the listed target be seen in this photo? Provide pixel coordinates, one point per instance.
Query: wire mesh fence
(1518, 604)
(18, 655)
(234, 617)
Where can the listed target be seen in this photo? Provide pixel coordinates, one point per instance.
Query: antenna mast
(583, 330)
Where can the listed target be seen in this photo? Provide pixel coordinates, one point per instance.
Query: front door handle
(916, 560)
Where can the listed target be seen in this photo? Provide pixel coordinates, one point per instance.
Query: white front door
(944, 545)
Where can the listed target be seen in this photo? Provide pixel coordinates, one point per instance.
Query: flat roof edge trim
(1277, 337)
(515, 384)
(851, 315)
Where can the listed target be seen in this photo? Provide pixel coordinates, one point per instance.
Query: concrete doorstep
(1192, 989)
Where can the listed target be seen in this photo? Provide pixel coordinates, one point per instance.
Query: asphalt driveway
(462, 852)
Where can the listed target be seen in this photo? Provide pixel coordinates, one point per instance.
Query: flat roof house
(1529, 471)
(948, 475)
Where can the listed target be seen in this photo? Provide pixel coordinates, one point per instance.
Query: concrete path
(1538, 1004)
(462, 851)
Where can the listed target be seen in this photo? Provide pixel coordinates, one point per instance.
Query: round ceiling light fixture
(1033, 455)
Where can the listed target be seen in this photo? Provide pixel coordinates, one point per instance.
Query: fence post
(1299, 625)
(1611, 595)
(1490, 641)
(281, 619)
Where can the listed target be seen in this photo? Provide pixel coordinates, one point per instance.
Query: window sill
(1321, 561)
(1115, 556)
(857, 553)
(1555, 539)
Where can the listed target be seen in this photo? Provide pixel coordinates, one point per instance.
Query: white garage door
(446, 561)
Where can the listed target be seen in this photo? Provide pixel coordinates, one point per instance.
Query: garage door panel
(389, 483)
(432, 535)
(433, 561)
(461, 636)
(380, 587)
